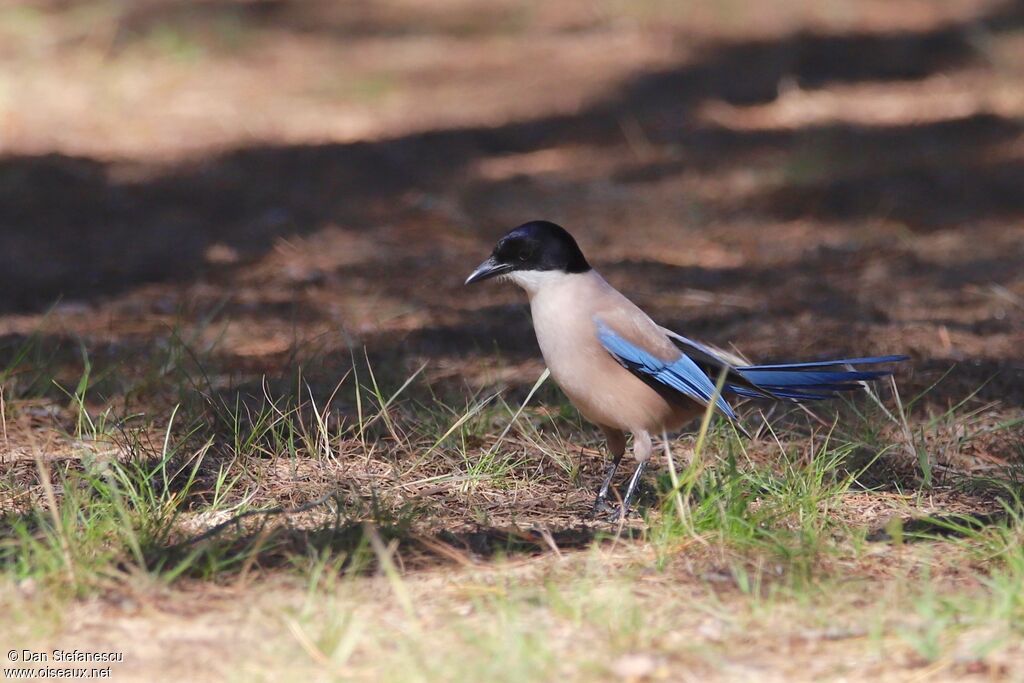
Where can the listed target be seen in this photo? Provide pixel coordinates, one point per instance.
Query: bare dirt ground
(282, 184)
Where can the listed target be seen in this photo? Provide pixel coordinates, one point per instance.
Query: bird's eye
(522, 258)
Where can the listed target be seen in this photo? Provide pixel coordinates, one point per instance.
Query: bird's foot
(602, 507)
(610, 512)
(631, 489)
(622, 513)
(617, 513)
(601, 504)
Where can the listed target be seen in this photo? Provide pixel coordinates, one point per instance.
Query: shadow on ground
(81, 229)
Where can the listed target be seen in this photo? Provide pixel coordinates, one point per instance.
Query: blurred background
(800, 178)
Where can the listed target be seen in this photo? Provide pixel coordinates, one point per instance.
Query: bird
(625, 373)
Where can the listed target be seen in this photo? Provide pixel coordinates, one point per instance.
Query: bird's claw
(602, 507)
(610, 512)
(621, 514)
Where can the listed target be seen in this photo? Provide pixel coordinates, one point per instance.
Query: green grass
(323, 488)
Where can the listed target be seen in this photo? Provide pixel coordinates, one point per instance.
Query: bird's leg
(642, 452)
(631, 489)
(602, 493)
(616, 448)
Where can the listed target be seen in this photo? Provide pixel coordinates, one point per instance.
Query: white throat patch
(534, 281)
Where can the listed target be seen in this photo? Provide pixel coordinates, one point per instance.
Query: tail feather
(807, 381)
(870, 360)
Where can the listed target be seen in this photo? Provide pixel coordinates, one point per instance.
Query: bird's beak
(488, 269)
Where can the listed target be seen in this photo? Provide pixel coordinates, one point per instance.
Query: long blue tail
(807, 381)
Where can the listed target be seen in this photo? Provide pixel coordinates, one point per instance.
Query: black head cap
(537, 245)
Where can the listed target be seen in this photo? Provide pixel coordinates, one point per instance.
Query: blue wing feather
(681, 374)
(793, 381)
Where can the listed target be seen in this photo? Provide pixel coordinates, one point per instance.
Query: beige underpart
(565, 309)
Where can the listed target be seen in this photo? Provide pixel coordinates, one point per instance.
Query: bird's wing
(699, 350)
(798, 381)
(714, 361)
(662, 357)
(641, 347)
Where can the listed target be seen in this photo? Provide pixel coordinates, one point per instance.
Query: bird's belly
(602, 390)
